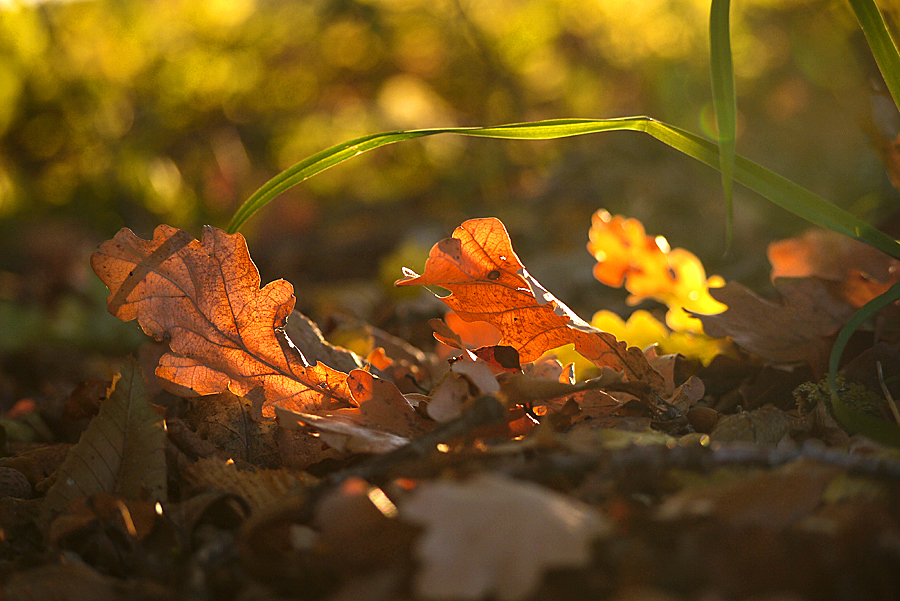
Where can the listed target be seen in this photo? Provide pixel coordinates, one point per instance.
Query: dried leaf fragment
(489, 283)
(480, 536)
(382, 420)
(205, 298)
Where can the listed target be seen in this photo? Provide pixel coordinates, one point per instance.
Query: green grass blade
(724, 100)
(851, 418)
(884, 48)
(768, 184)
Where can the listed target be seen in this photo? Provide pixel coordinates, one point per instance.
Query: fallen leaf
(480, 536)
(796, 329)
(595, 405)
(121, 452)
(260, 488)
(380, 405)
(764, 426)
(224, 420)
(643, 330)
(488, 282)
(306, 335)
(861, 271)
(382, 420)
(82, 518)
(499, 358)
(84, 402)
(798, 488)
(448, 398)
(342, 433)
(472, 334)
(357, 531)
(205, 298)
(648, 268)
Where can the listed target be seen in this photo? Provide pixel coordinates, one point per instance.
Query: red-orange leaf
(205, 298)
(488, 283)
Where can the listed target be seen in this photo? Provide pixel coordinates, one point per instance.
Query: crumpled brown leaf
(382, 420)
(489, 283)
(797, 329)
(493, 537)
(223, 330)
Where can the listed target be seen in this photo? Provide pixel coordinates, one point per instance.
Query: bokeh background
(126, 113)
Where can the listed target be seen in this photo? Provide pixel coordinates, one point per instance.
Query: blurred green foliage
(134, 112)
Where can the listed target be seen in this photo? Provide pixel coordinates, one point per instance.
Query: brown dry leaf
(480, 536)
(448, 398)
(121, 452)
(797, 329)
(342, 433)
(382, 421)
(306, 335)
(205, 298)
(488, 282)
(380, 405)
(259, 488)
(224, 420)
(863, 272)
(774, 500)
(766, 425)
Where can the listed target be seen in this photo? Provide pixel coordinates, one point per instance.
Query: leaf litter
(529, 455)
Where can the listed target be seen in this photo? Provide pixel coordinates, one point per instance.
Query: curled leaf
(489, 283)
(797, 329)
(343, 434)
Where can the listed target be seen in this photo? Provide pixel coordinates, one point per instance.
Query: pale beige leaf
(493, 537)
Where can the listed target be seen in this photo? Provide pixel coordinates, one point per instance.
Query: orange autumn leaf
(624, 251)
(204, 297)
(648, 268)
(488, 282)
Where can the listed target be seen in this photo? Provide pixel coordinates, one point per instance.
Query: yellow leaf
(648, 268)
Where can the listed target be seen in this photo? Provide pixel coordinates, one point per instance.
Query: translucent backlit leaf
(204, 298)
(488, 282)
(643, 330)
(648, 268)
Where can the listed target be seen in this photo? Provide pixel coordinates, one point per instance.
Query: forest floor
(724, 479)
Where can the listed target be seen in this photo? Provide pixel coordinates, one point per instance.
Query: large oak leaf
(204, 297)
(488, 282)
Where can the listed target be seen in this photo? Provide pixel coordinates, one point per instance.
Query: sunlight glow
(383, 503)
(662, 243)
